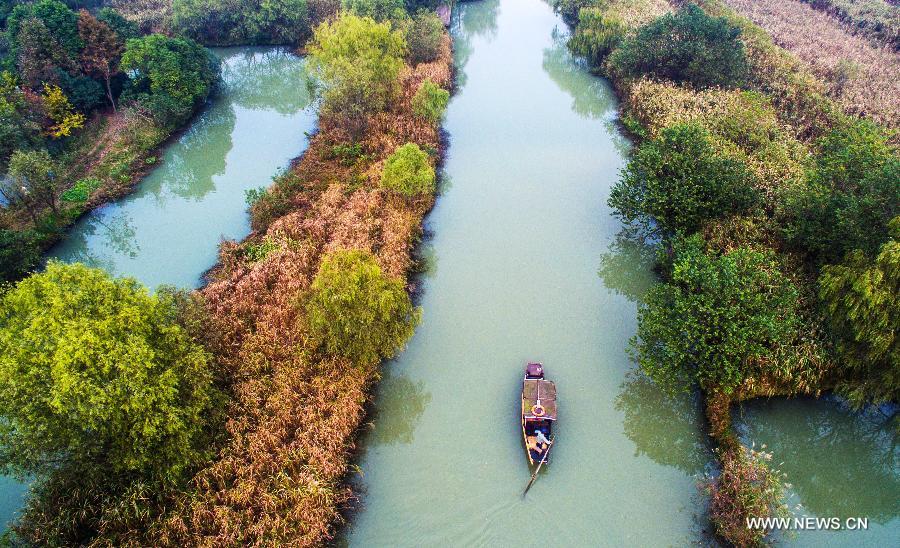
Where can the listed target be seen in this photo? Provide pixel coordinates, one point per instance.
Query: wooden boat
(538, 411)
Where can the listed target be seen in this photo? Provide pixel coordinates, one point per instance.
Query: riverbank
(295, 413)
(772, 130)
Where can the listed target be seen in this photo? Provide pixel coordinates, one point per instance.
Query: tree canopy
(680, 180)
(96, 372)
(716, 319)
(408, 171)
(358, 312)
(357, 62)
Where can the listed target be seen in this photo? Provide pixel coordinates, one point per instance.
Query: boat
(538, 412)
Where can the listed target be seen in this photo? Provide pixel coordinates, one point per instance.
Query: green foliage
(570, 9)
(430, 101)
(31, 182)
(852, 194)
(123, 28)
(357, 63)
(171, 76)
(596, 36)
(716, 320)
(862, 297)
(19, 124)
(61, 21)
(379, 10)
(358, 312)
(96, 372)
(231, 22)
(81, 190)
(424, 37)
(255, 252)
(253, 195)
(19, 254)
(681, 180)
(408, 172)
(687, 46)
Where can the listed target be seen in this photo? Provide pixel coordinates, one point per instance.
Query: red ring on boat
(537, 410)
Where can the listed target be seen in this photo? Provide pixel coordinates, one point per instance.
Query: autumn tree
(102, 50)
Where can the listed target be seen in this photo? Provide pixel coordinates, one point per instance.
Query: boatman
(541, 438)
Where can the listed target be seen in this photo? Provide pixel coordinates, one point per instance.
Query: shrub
(424, 37)
(570, 9)
(81, 190)
(358, 312)
(862, 297)
(230, 22)
(688, 46)
(379, 10)
(19, 254)
(408, 172)
(31, 182)
(851, 196)
(717, 318)
(171, 76)
(357, 63)
(94, 372)
(430, 101)
(596, 36)
(680, 181)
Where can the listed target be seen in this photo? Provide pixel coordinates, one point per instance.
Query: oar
(534, 476)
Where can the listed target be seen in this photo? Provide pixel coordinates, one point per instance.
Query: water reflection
(168, 230)
(840, 463)
(627, 267)
(591, 97)
(667, 429)
(256, 79)
(401, 402)
(468, 24)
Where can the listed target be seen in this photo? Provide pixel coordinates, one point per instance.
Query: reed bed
(280, 477)
(875, 19)
(864, 79)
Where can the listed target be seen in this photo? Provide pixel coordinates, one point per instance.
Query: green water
(518, 236)
(169, 229)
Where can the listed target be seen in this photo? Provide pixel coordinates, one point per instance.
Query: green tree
(862, 297)
(172, 76)
(39, 56)
(228, 22)
(430, 101)
(123, 28)
(596, 36)
(19, 254)
(32, 181)
(20, 126)
(424, 36)
(95, 372)
(60, 21)
(408, 172)
(687, 46)
(681, 180)
(716, 320)
(357, 63)
(357, 311)
(379, 10)
(851, 195)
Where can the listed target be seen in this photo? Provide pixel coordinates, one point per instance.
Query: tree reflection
(627, 267)
(667, 429)
(401, 403)
(471, 20)
(591, 96)
(840, 463)
(266, 79)
(116, 235)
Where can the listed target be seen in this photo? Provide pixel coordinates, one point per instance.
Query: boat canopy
(543, 390)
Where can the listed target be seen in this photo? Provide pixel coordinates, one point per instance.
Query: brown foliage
(279, 479)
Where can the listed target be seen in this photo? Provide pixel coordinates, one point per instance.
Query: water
(518, 237)
(839, 464)
(168, 230)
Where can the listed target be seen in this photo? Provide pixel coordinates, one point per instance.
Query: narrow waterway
(169, 229)
(518, 238)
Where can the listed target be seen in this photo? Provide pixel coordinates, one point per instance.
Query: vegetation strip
(774, 216)
(284, 342)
